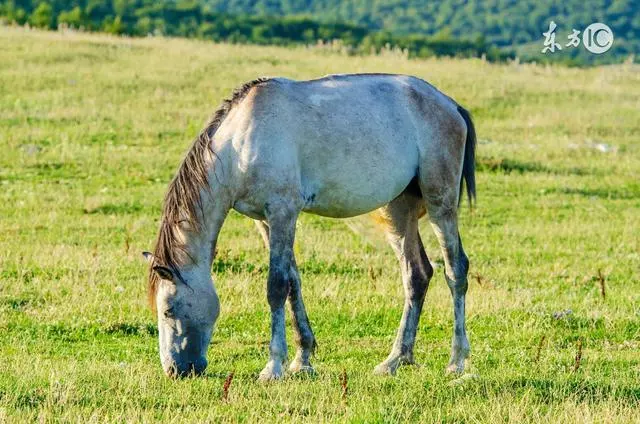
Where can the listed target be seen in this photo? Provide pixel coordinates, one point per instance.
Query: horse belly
(347, 206)
(351, 186)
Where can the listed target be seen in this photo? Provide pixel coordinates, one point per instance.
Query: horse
(338, 146)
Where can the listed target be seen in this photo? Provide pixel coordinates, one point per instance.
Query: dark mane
(182, 200)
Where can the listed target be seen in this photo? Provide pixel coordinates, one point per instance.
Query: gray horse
(338, 146)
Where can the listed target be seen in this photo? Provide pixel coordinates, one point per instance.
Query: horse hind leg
(442, 206)
(400, 219)
(263, 229)
(456, 269)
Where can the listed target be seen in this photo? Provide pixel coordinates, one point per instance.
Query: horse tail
(468, 177)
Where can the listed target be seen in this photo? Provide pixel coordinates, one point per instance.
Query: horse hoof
(455, 369)
(299, 368)
(463, 379)
(409, 361)
(384, 369)
(270, 374)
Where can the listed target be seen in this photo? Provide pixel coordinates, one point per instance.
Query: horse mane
(183, 198)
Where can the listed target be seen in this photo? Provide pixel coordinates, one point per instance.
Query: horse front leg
(305, 340)
(281, 217)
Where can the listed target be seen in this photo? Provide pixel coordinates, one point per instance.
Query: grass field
(93, 128)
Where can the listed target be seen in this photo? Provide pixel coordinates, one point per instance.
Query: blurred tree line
(193, 18)
(516, 24)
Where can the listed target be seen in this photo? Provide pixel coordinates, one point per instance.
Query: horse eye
(168, 313)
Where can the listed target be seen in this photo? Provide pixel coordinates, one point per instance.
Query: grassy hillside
(495, 29)
(505, 23)
(93, 128)
(186, 18)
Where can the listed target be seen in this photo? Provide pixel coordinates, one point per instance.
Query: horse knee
(278, 287)
(458, 281)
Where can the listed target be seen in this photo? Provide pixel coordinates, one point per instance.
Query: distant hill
(504, 23)
(495, 29)
(195, 19)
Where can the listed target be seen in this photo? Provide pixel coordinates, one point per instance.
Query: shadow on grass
(15, 303)
(577, 388)
(71, 333)
(508, 166)
(115, 209)
(226, 262)
(622, 193)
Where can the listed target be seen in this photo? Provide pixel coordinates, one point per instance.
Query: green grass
(93, 128)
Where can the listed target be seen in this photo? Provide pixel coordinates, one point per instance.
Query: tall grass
(92, 129)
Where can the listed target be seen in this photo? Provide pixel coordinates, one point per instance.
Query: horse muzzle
(181, 369)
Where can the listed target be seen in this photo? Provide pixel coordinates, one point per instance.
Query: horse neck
(201, 244)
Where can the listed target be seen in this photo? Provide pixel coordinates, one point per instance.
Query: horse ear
(148, 256)
(164, 272)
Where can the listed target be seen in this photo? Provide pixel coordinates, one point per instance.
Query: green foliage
(497, 29)
(42, 16)
(13, 12)
(74, 18)
(113, 25)
(504, 23)
(190, 18)
(493, 28)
